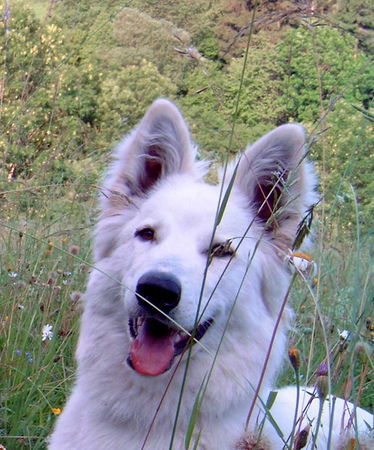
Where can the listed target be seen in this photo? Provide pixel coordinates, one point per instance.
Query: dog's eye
(147, 234)
(222, 249)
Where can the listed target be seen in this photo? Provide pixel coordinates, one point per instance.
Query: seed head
(74, 249)
(364, 351)
(322, 370)
(302, 438)
(322, 387)
(322, 381)
(75, 297)
(252, 441)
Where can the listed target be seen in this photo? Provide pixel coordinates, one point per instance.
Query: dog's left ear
(278, 181)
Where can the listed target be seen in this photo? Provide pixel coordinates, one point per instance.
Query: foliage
(234, 17)
(82, 16)
(204, 108)
(212, 95)
(346, 171)
(260, 107)
(48, 107)
(313, 73)
(151, 39)
(192, 15)
(357, 17)
(126, 94)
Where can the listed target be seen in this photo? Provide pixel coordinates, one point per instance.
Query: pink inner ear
(267, 196)
(152, 168)
(267, 200)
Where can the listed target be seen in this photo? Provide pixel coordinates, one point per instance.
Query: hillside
(76, 76)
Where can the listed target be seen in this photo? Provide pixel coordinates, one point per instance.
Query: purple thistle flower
(322, 370)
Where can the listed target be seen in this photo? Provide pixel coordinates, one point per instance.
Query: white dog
(184, 325)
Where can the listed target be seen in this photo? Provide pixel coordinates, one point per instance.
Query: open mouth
(155, 344)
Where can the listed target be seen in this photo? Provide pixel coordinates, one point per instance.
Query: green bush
(317, 63)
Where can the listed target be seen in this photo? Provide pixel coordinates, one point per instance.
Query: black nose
(162, 289)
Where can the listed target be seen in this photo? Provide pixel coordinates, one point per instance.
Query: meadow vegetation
(75, 76)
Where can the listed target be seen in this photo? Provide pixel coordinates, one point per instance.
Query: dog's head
(192, 255)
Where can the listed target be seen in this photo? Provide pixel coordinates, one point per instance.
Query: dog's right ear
(159, 146)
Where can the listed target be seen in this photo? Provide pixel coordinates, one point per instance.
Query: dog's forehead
(194, 203)
(184, 196)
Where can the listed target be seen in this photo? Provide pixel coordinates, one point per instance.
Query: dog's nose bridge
(162, 289)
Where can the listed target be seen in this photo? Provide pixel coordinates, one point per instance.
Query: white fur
(155, 182)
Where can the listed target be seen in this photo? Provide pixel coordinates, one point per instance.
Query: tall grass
(44, 245)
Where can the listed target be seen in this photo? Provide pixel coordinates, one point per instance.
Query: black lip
(129, 362)
(203, 328)
(132, 330)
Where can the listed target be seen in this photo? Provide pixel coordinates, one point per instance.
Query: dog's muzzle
(155, 339)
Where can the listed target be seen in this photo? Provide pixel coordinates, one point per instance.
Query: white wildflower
(303, 263)
(47, 332)
(300, 263)
(344, 335)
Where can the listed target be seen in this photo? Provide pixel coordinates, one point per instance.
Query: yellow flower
(302, 255)
(56, 411)
(294, 356)
(303, 263)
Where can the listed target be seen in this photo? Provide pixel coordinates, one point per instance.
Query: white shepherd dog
(184, 328)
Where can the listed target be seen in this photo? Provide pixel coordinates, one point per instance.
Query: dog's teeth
(180, 336)
(139, 322)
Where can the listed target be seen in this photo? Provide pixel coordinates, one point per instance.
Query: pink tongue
(150, 354)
